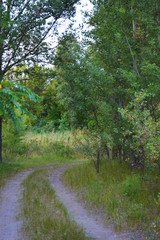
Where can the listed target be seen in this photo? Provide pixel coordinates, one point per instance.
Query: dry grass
(65, 137)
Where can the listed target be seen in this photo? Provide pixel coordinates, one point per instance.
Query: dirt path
(90, 222)
(10, 226)
(10, 195)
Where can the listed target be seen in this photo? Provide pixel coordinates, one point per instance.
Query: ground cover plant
(44, 217)
(129, 200)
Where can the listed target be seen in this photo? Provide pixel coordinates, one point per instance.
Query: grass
(7, 170)
(126, 199)
(34, 150)
(59, 136)
(44, 216)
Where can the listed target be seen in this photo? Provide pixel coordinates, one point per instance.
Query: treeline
(112, 87)
(109, 85)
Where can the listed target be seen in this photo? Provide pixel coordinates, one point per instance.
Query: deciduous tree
(24, 25)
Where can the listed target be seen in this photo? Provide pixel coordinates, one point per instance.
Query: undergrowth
(44, 217)
(127, 199)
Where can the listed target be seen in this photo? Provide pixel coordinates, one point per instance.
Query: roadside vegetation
(130, 200)
(44, 217)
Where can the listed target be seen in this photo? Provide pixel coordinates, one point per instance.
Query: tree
(122, 59)
(82, 91)
(14, 96)
(126, 43)
(70, 79)
(24, 25)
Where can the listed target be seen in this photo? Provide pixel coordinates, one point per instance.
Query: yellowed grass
(65, 137)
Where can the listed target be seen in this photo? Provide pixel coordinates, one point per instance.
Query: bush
(44, 126)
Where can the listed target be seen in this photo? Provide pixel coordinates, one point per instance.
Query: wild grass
(32, 150)
(22, 151)
(123, 198)
(44, 216)
(44, 138)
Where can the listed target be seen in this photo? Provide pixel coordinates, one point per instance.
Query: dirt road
(10, 195)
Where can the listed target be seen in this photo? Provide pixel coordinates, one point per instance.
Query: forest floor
(11, 223)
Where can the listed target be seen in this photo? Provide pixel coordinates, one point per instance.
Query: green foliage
(136, 211)
(13, 96)
(42, 81)
(142, 133)
(23, 28)
(43, 126)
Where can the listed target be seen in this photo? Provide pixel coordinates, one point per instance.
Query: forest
(92, 102)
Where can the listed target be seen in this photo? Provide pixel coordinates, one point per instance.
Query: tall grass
(21, 151)
(122, 197)
(65, 137)
(33, 150)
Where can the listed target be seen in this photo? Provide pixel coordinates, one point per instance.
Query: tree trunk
(0, 139)
(98, 160)
(114, 153)
(108, 155)
(124, 156)
(132, 160)
(120, 155)
(158, 21)
(143, 159)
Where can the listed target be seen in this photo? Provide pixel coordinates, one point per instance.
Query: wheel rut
(10, 195)
(91, 223)
(10, 224)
